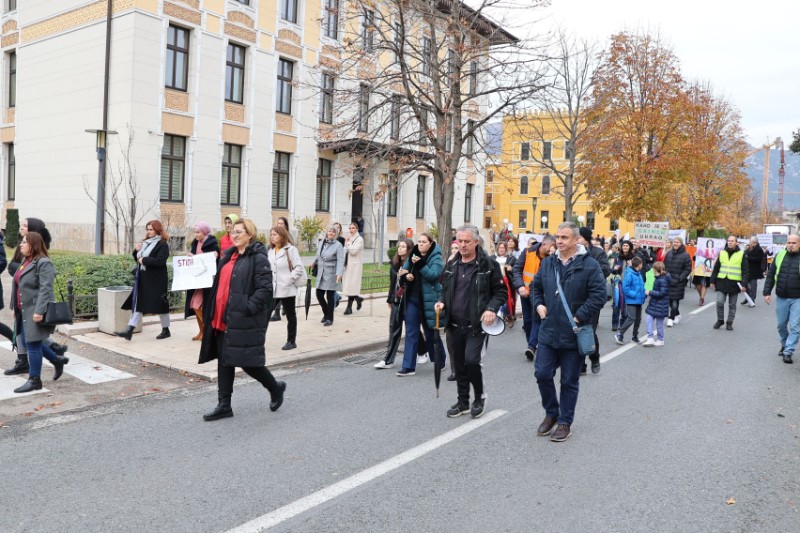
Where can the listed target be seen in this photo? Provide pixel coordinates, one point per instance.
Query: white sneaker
(382, 364)
(648, 342)
(658, 343)
(669, 322)
(422, 359)
(751, 305)
(677, 319)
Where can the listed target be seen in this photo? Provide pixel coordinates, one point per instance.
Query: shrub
(391, 252)
(433, 229)
(12, 228)
(308, 228)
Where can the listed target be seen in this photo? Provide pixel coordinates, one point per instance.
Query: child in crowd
(658, 306)
(633, 288)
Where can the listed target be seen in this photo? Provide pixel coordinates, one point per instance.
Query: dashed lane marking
(84, 369)
(701, 309)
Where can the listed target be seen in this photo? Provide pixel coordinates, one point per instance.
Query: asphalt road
(701, 435)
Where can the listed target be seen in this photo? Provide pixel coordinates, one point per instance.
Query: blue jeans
(659, 323)
(414, 319)
(548, 359)
(530, 321)
(787, 311)
(35, 352)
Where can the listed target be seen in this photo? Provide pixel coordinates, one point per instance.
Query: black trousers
(595, 357)
(291, 316)
(326, 302)
(467, 350)
(225, 374)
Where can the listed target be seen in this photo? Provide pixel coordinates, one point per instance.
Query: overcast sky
(750, 52)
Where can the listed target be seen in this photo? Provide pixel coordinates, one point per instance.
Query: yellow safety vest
(730, 265)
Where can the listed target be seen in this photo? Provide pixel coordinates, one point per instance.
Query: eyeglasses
(238, 232)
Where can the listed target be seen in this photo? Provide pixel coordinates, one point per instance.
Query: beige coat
(351, 280)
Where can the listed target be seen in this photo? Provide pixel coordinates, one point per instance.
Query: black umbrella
(308, 295)
(437, 354)
(395, 331)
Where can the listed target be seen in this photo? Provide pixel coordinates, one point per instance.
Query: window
(11, 5)
(489, 200)
(523, 218)
(448, 133)
(563, 216)
(590, 220)
(12, 172)
(367, 31)
(398, 41)
(12, 79)
(421, 196)
(468, 203)
(545, 184)
(280, 181)
(173, 162)
(395, 120)
(525, 151)
(547, 150)
(523, 185)
(473, 78)
(326, 105)
(231, 174)
(363, 108)
(423, 126)
(545, 220)
(245, 2)
(489, 176)
(289, 10)
(177, 58)
(324, 172)
(613, 225)
(470, 140)
(567, 150)
(487, 222)
(285, 75)
(426, 56)
(451, 61)
(234, 74)
(330, 22)
(391, 200)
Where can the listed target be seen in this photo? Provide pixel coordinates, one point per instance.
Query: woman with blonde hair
(287, 268)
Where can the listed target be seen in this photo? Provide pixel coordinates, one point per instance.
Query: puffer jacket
(426, 280)
(584, 289)
(658, 305)
(755, 258)
(679, 267)
(633, 286)
(786, 282)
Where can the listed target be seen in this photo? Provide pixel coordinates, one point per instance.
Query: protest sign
(193, 272)
(765, 240)
(651, 233)
(677, 233)
(707, 252)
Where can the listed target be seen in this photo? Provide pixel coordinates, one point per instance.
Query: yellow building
(522, 190)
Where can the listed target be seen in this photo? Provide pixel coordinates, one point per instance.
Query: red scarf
(223, 293)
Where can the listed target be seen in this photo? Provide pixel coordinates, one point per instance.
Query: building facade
(219, 106)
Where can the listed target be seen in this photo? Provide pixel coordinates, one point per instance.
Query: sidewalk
(363, 330)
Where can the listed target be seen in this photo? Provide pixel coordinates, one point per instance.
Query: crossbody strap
(564, 301)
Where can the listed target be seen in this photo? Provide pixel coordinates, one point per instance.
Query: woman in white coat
(287, 269)
(353, 268)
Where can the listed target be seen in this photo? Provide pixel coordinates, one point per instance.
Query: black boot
(277, 398)
(276, 315)
(359, 301)
(164, 334)
(20, 366)
(222, 410)
(33, 383)
(127, 334)
(349, 310)
(58, 364)
(60, 349)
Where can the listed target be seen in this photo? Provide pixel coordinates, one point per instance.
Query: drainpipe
(101, 198)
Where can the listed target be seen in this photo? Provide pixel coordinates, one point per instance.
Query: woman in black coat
(679, 267)
(236, 315)
(755, 258)
(149, 295)
(204, 242)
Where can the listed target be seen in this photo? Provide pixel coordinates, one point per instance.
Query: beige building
(226, 103)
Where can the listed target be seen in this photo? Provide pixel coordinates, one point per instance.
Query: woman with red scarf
(235, 318)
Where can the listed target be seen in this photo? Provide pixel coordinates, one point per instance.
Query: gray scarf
(147, 247)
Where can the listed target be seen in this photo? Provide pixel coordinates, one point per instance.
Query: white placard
(651, 233)
(526, 238)
(678, 233)
(765, 240)
(193, 272)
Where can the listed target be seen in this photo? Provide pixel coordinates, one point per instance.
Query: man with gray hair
(571, 275)
(472, 291)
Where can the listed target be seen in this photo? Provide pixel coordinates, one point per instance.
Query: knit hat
(586, 233)
(233, 218)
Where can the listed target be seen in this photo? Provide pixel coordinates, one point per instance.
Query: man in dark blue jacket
(584, 288)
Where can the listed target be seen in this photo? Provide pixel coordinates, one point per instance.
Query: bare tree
(415, 81)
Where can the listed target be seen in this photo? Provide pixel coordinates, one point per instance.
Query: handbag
(585, 333)
(301, 281)
(314, 266)
(57, 313)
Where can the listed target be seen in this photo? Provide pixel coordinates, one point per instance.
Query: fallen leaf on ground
(38, 408)
(781, 415)
(730, 501)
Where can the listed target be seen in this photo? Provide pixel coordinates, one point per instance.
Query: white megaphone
(497, 327)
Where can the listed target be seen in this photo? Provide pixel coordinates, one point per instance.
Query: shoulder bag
(301, 281)
(57, 313)
(585, 333)
(314, 266)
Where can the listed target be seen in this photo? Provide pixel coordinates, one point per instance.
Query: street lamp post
(581, 219)
(534, 201)
(99, 220)
(544, 221)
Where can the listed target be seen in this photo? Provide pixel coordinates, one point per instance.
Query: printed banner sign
(765, 240)
(651, 233)
(193, 272)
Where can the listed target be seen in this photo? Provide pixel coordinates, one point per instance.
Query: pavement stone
(363, 330)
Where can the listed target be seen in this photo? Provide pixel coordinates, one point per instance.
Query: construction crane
(777, 143)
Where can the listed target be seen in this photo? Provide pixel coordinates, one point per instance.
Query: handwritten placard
(193, 272)
(651, 233)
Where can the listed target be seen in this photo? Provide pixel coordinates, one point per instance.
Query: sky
(749, 52)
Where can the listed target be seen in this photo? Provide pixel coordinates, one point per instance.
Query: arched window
(545, 184)
(523, 185)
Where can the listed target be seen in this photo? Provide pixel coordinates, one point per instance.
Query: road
(701, 435)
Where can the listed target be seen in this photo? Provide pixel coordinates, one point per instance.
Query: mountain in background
(754, 167)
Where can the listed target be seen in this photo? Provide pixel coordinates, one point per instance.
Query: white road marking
(84, 369)
(700, 309)
(9, 383)
(73, 417)
(619, 351)
(365, 476)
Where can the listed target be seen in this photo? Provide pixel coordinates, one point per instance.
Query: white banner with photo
(193, 272)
